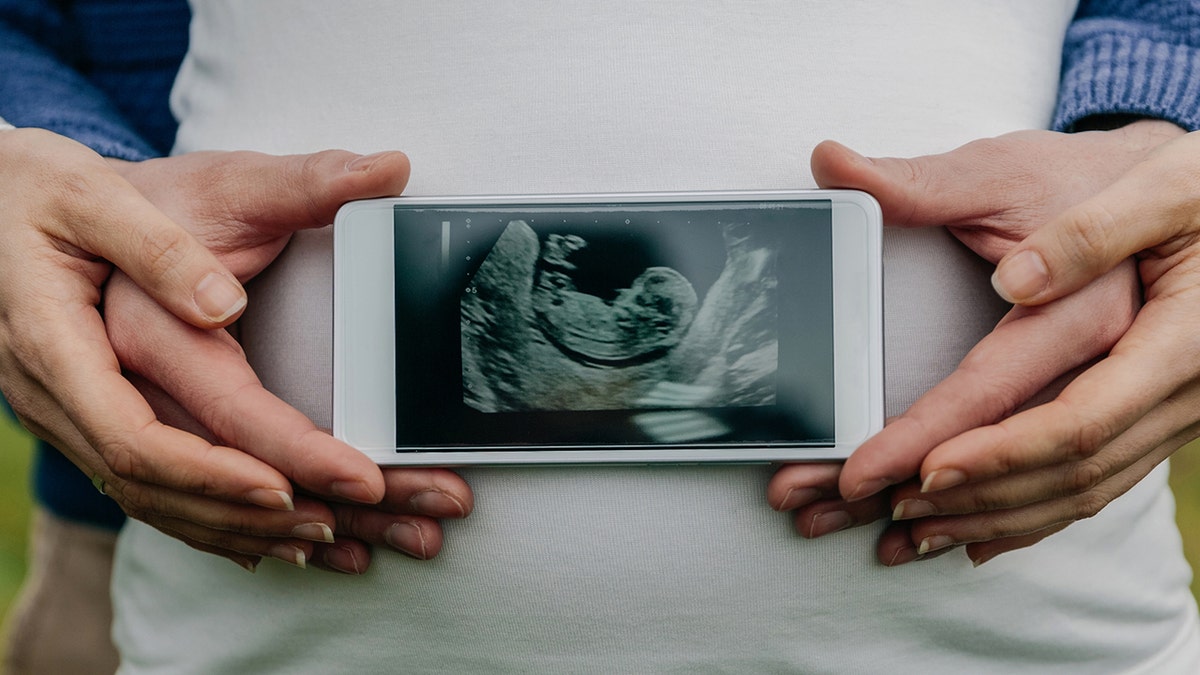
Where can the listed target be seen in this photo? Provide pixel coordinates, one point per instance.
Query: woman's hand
(991, 194)
(1013, 483)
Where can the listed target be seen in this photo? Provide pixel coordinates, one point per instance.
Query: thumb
(286, 193)
(1153, 204)
(91, 210)
(913, 192)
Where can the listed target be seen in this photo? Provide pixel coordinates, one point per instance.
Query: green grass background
(16, 448)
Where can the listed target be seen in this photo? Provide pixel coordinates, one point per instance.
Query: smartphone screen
(695, 323)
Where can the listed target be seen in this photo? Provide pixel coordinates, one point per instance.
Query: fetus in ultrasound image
(580, 319)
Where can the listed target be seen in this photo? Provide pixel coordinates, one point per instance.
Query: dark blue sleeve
(98, 71)
(1132, 57)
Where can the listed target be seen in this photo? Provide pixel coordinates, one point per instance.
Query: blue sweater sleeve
(1132, 57)
(98, 71)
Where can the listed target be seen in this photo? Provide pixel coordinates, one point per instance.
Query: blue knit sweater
(99, 71)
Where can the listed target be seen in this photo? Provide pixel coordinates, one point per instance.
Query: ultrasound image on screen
(634, 324)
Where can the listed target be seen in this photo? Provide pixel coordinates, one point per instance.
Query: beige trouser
(62, 619)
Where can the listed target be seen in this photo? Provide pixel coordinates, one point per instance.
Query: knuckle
(162, 250)
(1087, 236)
(1088, 504)
(1089, 436)
(136, 501)
(1082, 476)
(350, 522)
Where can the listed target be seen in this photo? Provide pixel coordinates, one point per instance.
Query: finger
(983, 551)
(246, 562)
(795, 485)
(285, 193)
(834, 515)
(944, 189)
(419, 537)
(1023, 523)
(1099, 405)
(295, 552)
(97, 211)
(1024, 354)
(438, 493)
(207, 374)
(311, 520)
(895, 547)
(347, 556)
(1166, 427)
(1091, 238)
(112, 432)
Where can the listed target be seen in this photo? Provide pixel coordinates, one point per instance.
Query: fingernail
(797, 497)
(1021, 277)
(313, 532)
(913, 508)
(934, 543)
(903, 556)
(437, 503)
(342, 559)
(248, 564)
(982, 559)
(218, 297)
(363, 162)
(288, 554)
(407, 538)
(829, 522)
(271, 499)
(943, 479)
(355, 491)
(867, 488)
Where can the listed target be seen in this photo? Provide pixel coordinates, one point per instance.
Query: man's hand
(67, 218)
(243, 206)
(990, 194)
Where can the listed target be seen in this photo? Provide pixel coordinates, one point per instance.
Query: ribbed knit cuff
(1109, 73)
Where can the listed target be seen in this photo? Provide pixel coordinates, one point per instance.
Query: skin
(265, 481)
(958, 467)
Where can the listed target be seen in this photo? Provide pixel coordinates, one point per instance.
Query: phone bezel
(364, 358)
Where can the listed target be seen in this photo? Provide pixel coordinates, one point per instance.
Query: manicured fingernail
(288, 554)
(219, 297)
(355, 491)
(943, 479)
(867, 488)
(934, 543)
(271, 499)
(407, 538)
(437, 503)
(1021, 277)
(342, 559)
(797, 497)
(313, 532)
(364, 162)
(913, 508)
(829, 522)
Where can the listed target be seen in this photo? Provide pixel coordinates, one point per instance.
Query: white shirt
(631, 570)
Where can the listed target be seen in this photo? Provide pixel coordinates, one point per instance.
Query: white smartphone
(602, 328)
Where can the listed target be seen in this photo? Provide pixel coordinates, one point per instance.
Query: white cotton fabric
(643, 570)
